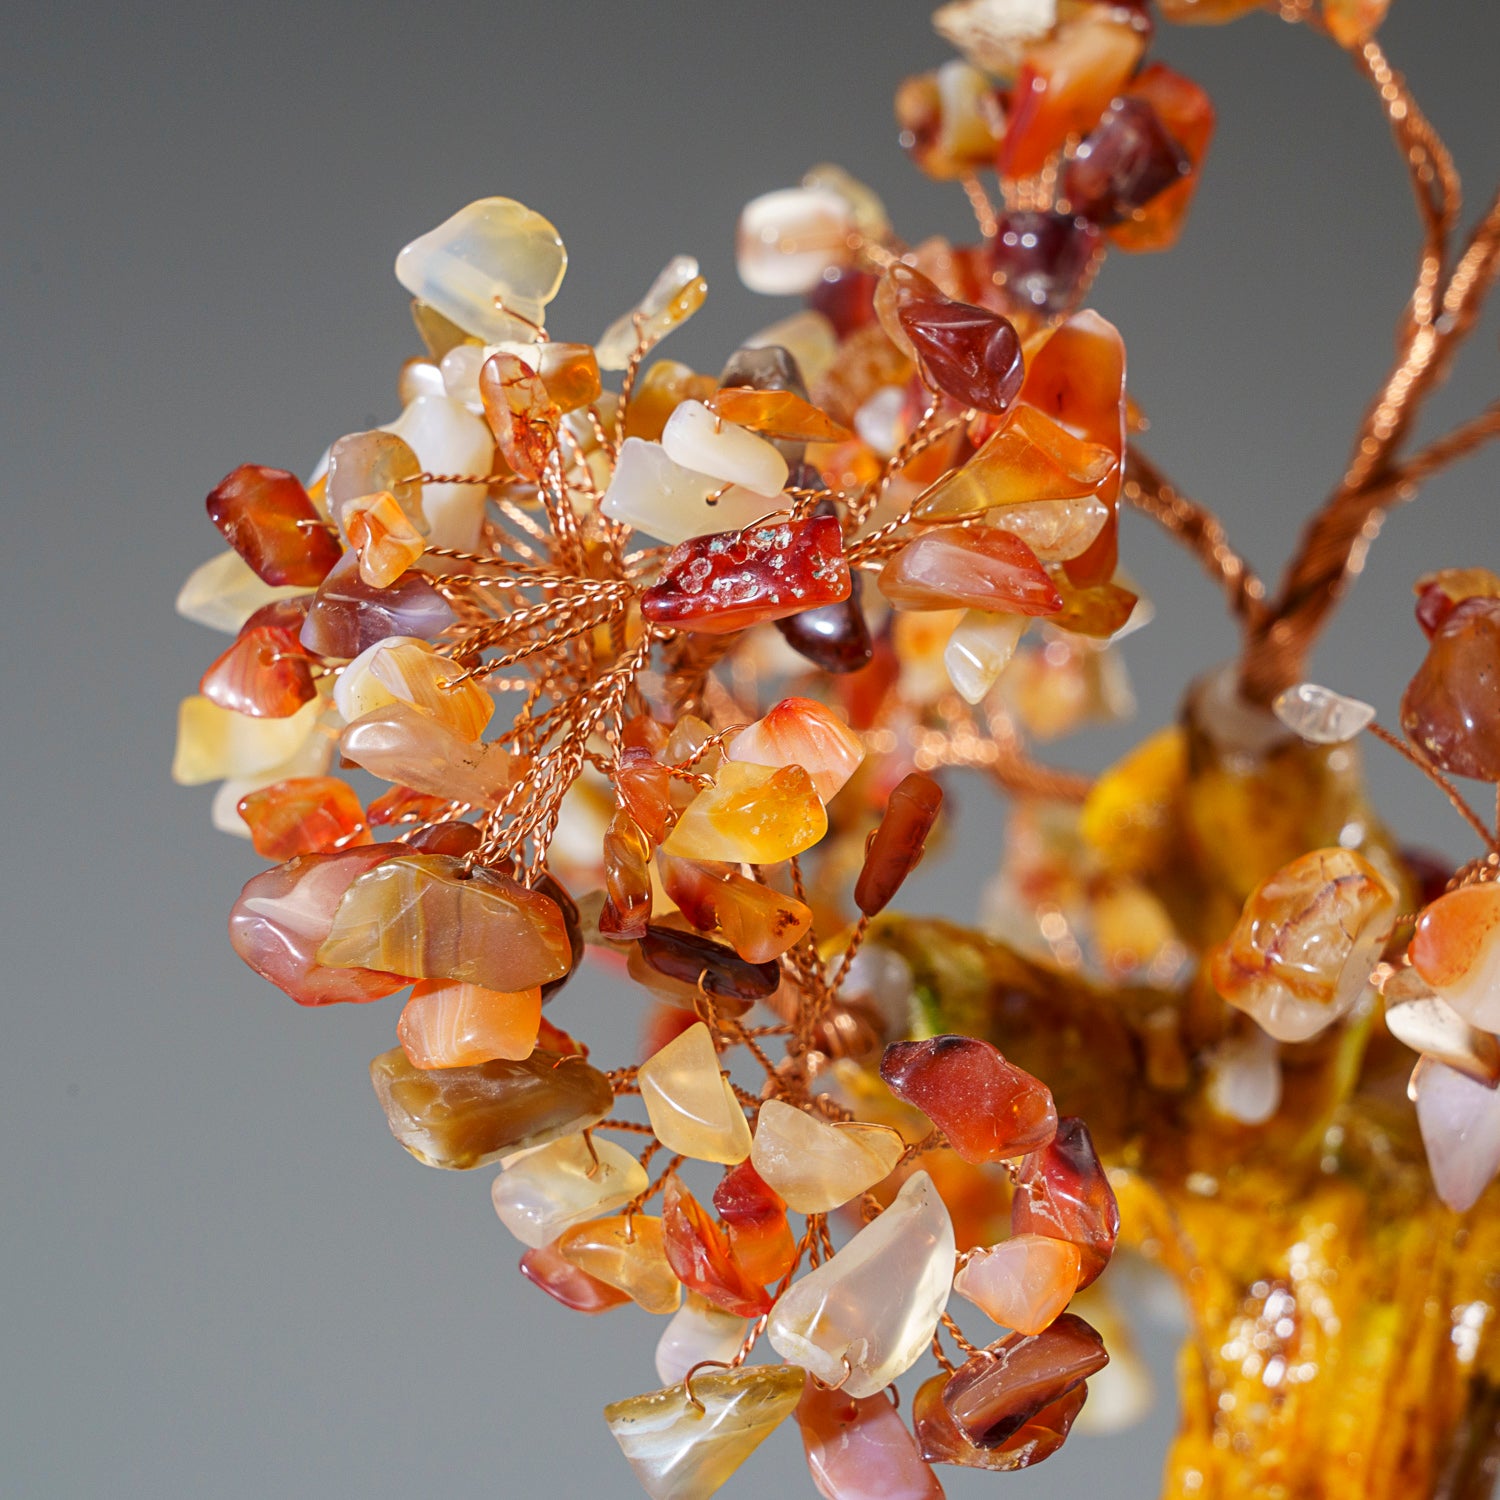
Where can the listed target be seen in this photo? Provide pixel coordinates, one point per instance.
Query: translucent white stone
(493, 258)
(816, 1165)
(699, 440)
(876, 1303)
(449, 439)
(401, 745)
(879, 420)
(691, 1105)
(551, 1189)
(1321, 716)
(698, 1331)
(993, 34)
(787, 239)
(224, 592)
(1460, 1124)
(614, 349)
(979, 650)
(870, 216)
(1426, 1023)
(460, 371)
(420, 377)
(651, 493)
(882, 978)
(357, 691)
(1244, 1078)
(807, 336)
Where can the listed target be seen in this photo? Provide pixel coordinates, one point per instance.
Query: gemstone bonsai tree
(661, 671)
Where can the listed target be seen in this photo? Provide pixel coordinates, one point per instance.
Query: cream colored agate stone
(357, 691)
(698, 1332)
(548, 1191)
(433, 685)
(492, 268)
(816, 1165)
(400, 745)
(651, 493)
(788, 238)
(875, 1305)
(449, 439)
(685, 1446)
(691, 1104)
(217, 744)
(703, 441)
(979, 650)
(225, 591)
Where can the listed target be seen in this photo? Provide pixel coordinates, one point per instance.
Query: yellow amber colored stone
(627, 1252)
(1032, 458)
(383, 536)
(450, 1024)
(1130, 817)
(817, 1165)
(422, 916)
(751, 815)
(685, 1446)
(1306, 943)
(691, 1105)
(216, 744)
(413, 672)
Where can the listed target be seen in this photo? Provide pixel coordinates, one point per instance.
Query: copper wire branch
(1442, 310)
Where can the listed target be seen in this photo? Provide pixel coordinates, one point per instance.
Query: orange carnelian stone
(304, 815)
(777, 414)
(627, 878)
(895, 848)
(1065, 84)
(269, 519)
(645, 786)
(759, 923)
(1063, 1192)
(566, 1283)
(450, 1024)
(521, 413)
(701, 1256)
(265, 674)
(987, 1107)
(755, 1216)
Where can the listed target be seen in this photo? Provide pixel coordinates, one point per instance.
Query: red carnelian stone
(734, 579)
(755, 1217)
(265, 674)
(1124, 162)
(701, 1258)
(1005, 1386)
(1063, 1191)
(692, 959)
(267, 517)
(564, 1282)
(942, 1441)
(402, 805)
(644, 785)
(449, 837)
(1187, 112)
(896, 845)
(987, 1107)
(1451, 708)
(846, 298)
(304, 815)
(1042, 260)
(969, 353)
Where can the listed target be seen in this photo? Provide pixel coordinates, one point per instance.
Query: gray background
(221, 1276)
